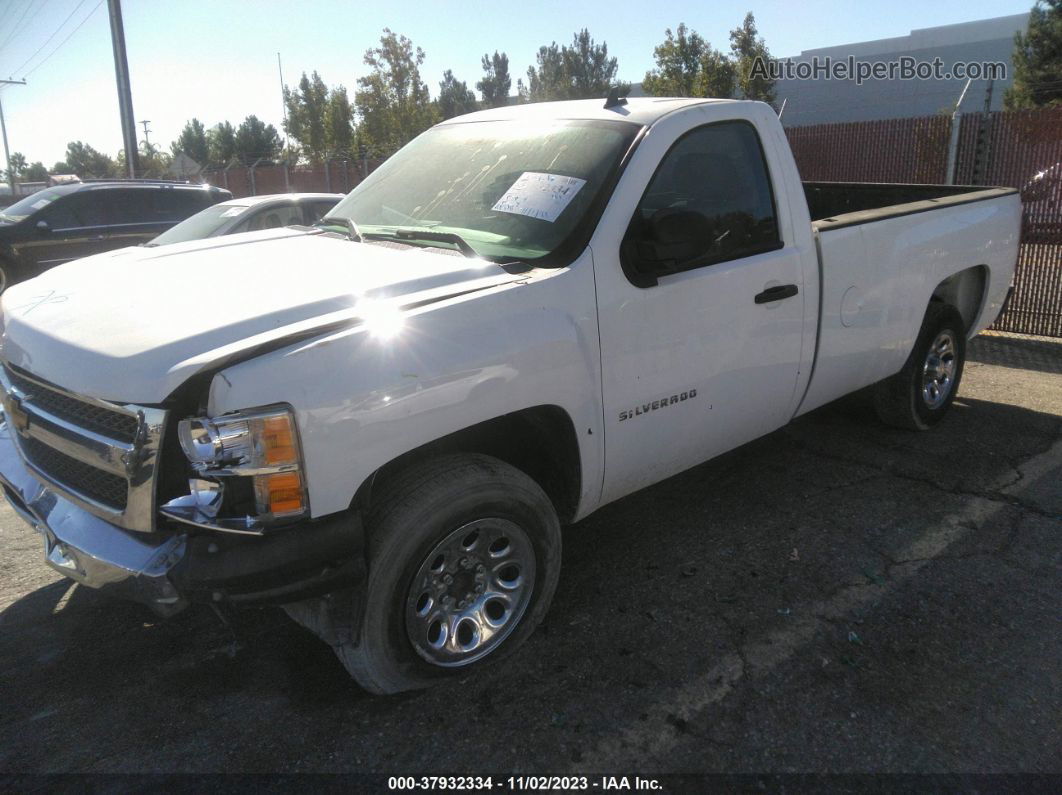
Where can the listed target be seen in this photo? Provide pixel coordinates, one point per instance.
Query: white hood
(132, 325)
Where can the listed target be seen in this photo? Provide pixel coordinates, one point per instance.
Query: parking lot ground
(837, 596)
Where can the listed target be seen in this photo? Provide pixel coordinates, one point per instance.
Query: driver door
(701, 338)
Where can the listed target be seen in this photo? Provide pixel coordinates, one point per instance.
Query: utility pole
(3, 126)
(125, 91)
(284, 106)
(147, 141)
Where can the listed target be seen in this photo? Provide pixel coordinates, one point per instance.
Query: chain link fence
(334, 175)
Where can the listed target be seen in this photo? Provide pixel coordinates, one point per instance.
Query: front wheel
(919, 396)
(464, 557)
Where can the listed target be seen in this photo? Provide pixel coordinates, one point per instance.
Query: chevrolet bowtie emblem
(18, 418)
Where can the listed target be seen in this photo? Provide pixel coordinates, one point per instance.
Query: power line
(11, 16)
(46, 41)
(33, 16)
(17, 26)
(64, 41)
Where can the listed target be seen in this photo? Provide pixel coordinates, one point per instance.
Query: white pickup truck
(382, 423)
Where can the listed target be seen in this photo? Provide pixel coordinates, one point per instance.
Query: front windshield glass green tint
(512, 190)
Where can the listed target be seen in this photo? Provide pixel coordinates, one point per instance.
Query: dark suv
(56, 225)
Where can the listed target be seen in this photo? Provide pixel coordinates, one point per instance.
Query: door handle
(776, 293)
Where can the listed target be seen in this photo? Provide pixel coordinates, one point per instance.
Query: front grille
(112, 424)
(103, 487)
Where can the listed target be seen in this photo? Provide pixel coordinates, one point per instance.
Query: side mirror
(43, 227)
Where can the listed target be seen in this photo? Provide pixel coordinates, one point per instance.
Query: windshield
(510, 190)
(29, 205)
(203, 224)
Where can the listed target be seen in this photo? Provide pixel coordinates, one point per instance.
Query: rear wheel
(464, 559)
(919, 396)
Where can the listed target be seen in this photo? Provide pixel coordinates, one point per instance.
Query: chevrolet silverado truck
(383, 421)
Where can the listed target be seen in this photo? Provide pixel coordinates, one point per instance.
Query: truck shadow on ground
(655, 590)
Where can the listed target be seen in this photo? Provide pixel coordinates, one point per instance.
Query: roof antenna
(614, 99)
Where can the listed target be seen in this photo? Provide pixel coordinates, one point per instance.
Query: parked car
(62, 223)
(525, 314)
(251, 214)
(1042, 196)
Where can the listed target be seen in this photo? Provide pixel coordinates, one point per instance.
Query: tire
(417, 627)
(919, 396)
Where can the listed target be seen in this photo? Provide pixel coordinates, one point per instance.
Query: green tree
(83, 160)
(193, 142)
(393, 103)
(746, 47)
(550, 81)
(496, 82)
(582, 71)
(454, 97)
(154, 163)
(678, 64)
(18, 165)
(340, 127)
(1038, 60)
(221, 144)
(35, 172)
(308, 115)
(718, 76)
(256, 140)
(687, 66)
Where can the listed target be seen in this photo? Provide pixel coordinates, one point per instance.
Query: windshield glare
(201, 225)
(511, 190)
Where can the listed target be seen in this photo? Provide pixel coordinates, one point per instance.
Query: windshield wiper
(351, 227)
(429, 236)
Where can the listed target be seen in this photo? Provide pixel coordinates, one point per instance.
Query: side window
(78, 210)
(60, 214)
(709, 201)
(272, 218)
(128, 205)
(171, 205)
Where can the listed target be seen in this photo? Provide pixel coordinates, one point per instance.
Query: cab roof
(639, 110)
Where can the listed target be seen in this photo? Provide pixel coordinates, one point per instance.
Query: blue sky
(217, 60)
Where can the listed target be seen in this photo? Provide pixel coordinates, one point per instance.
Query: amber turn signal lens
(278, 440)
(284, 493)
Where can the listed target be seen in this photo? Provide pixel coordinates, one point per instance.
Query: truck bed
(837, 204)
(879, 266)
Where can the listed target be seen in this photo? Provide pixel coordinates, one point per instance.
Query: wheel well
(965, 291)
(539, 441)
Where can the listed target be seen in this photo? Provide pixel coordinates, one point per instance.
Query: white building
(822, 101)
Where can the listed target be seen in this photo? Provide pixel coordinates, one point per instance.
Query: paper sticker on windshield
(40, 203)
(229, 213)
(538, 195)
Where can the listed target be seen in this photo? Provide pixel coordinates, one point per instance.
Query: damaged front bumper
(87, 549)
(168, 569)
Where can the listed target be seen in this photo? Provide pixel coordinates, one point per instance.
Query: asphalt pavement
(836, 597)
